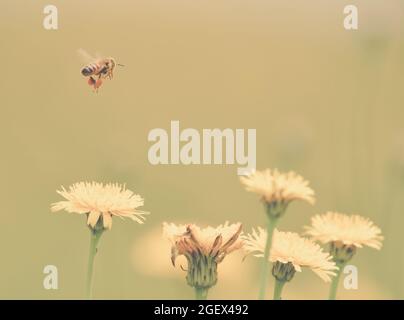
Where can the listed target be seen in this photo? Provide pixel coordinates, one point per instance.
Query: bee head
(111, 63)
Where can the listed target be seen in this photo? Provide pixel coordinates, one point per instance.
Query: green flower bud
(275, 209)
(342, 253)
(202, 271)
(283, 271)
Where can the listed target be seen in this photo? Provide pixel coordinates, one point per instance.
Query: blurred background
(326, 103)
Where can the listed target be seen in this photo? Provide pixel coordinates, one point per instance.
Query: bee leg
(91, 81)
(98, 84)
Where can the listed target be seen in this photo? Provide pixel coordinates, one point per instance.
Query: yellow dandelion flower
(278, 189)
(351, 230)
(290, 253)
(203, 248)
(344, 234)
(100, 202)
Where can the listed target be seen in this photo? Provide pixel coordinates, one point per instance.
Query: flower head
(101, 202)
(344, 233)
(350, 230)
(289, 253)
(278, 189)
(204, 248)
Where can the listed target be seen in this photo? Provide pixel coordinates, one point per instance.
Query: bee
(98, 70)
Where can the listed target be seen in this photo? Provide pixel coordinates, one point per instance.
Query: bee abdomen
(89, 70)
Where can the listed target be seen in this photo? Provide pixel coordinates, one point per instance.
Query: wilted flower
(278, 189)
(290, 253)
(203, 248)
(344, 233)
(101, 202)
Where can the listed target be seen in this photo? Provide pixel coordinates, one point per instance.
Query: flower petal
(93, 217)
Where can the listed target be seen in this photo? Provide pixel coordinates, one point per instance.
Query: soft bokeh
(326, 103)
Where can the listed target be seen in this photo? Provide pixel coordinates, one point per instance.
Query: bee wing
(98, 55)
(85, 56)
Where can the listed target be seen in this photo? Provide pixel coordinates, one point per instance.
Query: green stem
(271, 224)
(95, 238)
(201, 293)
(278, 289)
(335, 281)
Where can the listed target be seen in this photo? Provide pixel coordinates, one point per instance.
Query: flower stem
(278, 289)
(201, 293)
(335, 280)
(95, 238)
(271, 224)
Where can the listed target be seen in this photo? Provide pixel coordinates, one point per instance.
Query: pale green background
(325, 102)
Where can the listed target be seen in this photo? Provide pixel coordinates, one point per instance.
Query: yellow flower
(278, 189)
(203, 248)
(289, 253)
(344, 233)
(101, 202)
(350, 230)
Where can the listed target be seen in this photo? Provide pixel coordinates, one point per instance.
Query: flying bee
(98, 70)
